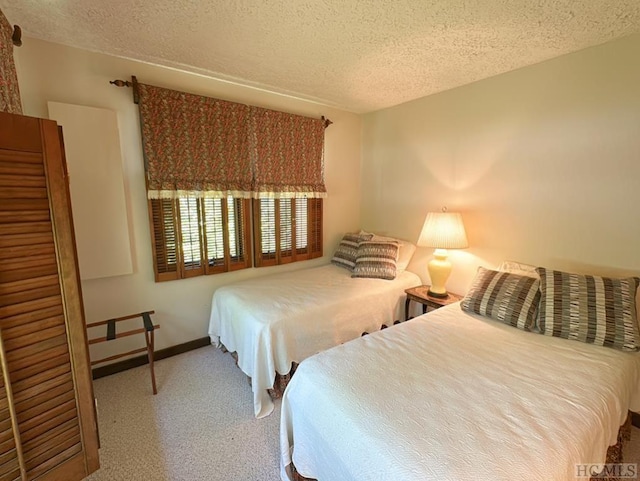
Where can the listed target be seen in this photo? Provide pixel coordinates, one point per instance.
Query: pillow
(519, 268)
(505, 297)
(346, 253)
(591, 309)
(376, 259)
(405, 252)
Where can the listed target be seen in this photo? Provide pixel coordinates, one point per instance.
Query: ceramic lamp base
(439, 270)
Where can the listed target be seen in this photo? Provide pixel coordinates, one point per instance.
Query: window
(287, 230)
(193, 236)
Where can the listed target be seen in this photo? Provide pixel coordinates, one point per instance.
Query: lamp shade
(443, 230)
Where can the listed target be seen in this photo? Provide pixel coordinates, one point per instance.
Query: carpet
(200, 425)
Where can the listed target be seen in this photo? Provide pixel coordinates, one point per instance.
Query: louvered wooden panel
(191, 248)
(315, 227)
(239, 233)
(43, 332)
(165, 239)
(214, 234)
(9, 464)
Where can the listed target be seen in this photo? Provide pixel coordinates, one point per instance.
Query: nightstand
(419, 294)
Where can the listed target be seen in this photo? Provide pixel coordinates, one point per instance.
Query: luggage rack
(147, 329)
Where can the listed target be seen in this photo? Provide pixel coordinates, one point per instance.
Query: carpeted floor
(200, 425)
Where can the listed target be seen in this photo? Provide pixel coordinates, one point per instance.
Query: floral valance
(9, 90)
(194, 145)
(206, 147)
(288, 154)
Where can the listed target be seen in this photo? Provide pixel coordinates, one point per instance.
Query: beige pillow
(519, 268)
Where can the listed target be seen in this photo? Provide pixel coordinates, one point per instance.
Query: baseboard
(635, 419)
(130, 363)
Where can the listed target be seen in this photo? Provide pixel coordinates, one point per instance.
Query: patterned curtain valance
(288, 154)
(9, 90)
(206, 147)
(194, 145)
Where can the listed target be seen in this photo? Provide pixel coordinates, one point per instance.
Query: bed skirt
(279, 383)
(614, 454)
(281, 380)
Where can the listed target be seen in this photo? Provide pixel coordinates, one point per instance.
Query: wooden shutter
(215, 211)
(190, 245)
(226, 231)
(287, 230)
(192, 236)
(41, 314)
(265, 232)
(314, 228)
(239, 227)
(164, 235)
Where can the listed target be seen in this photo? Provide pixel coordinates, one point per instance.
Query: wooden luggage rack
(147, 330)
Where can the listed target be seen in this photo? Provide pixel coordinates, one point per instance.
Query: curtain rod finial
(120, 83)
(327, 122)
(16, 38)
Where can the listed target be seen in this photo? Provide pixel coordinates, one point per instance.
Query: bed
(455, 396)
(273, 321)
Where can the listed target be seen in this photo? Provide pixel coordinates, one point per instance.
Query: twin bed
(275, 321)
(455, 396)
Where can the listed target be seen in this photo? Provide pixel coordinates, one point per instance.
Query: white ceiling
(360, 55)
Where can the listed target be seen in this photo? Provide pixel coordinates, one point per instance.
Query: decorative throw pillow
(347, 251)
(376, 259)
(505, 297)
(591, 309)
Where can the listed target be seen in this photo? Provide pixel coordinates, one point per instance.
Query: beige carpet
(200, 425)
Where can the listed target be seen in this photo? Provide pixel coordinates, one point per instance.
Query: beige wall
(543, 162)
(50, 72)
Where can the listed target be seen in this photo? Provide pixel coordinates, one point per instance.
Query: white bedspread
(450, 396)
(274, 320)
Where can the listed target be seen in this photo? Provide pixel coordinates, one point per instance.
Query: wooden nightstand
(419, 294)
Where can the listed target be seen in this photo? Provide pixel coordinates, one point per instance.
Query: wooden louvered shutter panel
(287, 234)
(302, 228)
(165, 238)
(214, 214)
(239, 233)
(314, 227)
(190, 237)
(266, 231)
(226, 230)
(41, 314)
(9, 459)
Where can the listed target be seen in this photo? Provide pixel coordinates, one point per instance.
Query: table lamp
(442, 230)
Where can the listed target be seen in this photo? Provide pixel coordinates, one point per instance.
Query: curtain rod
(136, 97)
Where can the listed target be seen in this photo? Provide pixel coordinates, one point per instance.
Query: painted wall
(51, 72)
(543, 163)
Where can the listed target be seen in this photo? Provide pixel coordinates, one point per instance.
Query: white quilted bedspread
(274, 320)
(450, 396)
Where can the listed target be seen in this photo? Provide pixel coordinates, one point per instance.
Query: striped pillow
(347, 251)
(376, 259)
(591, 309)
(505, 297)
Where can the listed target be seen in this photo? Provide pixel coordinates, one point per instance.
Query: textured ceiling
(360, 55)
